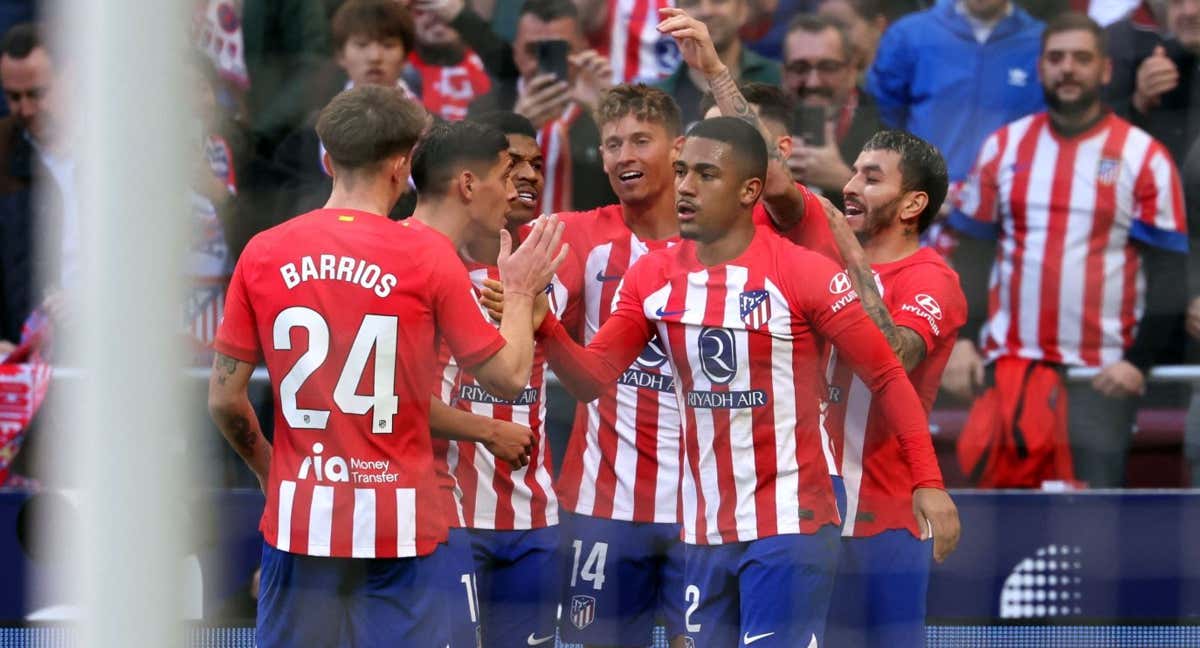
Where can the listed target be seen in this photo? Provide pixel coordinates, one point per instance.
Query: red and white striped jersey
(491, 495)
(921, 293)
(346, 309)
(447, 90)
(634, 47)
(744, 339)
(622, 461)
(812, 231)
(1068, 284)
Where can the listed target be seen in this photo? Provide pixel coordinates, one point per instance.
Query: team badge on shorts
(755, 308)
(583, 611)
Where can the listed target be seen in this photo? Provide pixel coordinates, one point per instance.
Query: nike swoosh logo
(603, 278)
(747, 639)
(662, 313)
(535, 641)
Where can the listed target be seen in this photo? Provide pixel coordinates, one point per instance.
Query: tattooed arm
(230, 408)
(907, 344)
(783, 198)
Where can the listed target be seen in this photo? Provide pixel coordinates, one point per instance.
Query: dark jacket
(23, 221)
(1174, 123)
(751, 67)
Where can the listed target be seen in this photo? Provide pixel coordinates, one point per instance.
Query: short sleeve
(928, 300)
(1159, 219)
(976, 206)
(460, 323)
(237, 336)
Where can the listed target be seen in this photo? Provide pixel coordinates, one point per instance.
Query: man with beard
(723, 18)
(819, 71)
(443, 71)
(910, 293)
(1088, 213)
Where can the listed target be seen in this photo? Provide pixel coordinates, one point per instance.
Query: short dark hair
(773, 103)
(644, 102)
(377, 19)
(547, 10)
(815, 24)
(449, 148)
(747, 143)
(509, 123)
(922, 168)
(364, 126)
(1076, 21)
(20, 40)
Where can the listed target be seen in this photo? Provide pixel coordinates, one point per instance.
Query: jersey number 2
(376, 333)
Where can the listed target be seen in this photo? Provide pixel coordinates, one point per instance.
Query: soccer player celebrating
(619, 483)
(509, 514)
(742, 314)
(346, 307)
(910, 293)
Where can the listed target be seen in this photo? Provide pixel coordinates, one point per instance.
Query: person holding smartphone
(833, 117)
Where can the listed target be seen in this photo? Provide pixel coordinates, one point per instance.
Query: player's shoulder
(600, 219)
(787, 252)
(926, 270)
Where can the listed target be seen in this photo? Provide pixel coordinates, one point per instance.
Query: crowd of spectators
(830, 73)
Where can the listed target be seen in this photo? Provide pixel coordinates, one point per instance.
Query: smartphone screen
(809, 122)
(552, 57)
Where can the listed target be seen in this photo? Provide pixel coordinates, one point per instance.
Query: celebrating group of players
(750, 463)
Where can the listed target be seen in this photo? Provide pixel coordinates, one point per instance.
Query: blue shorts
(463, 606)
(879, 591)
(621, 578)
(315, 602)
(772, 592)
(518, 582)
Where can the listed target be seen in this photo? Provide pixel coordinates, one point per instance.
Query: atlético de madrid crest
(583, 611)
(755, 308)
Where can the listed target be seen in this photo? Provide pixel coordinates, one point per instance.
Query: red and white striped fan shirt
(921, 293)
(1068, 285)
(346, 309)
(622, 461)
(744, 339)
(634, 47)
(491, 495)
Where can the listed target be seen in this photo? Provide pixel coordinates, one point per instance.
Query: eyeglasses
(823, 67)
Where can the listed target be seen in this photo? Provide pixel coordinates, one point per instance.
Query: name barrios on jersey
(328, 267)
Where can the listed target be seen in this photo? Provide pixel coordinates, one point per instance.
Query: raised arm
(784, 201)
(230, 408)
(586, 372)
(525, 272)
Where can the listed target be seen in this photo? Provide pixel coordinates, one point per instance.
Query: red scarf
(447, 90)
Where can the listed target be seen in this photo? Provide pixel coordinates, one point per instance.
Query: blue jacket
(932, 78)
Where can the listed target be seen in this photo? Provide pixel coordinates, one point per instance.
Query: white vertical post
(126, 84)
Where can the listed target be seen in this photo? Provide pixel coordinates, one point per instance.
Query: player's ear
(466, 183)
(327, 163)
(401, 169)
(914, 203)
(784, 144)
(750, 192)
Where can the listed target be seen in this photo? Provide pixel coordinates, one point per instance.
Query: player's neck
(485, 250)
(652, 220)
(445, 218)
(361, 198)
(891, 246)
(728, 247)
